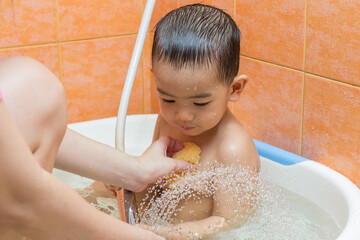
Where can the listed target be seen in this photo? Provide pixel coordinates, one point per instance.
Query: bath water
(98, 196)
(283, 215)
(273, 212)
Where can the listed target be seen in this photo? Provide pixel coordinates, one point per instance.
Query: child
(35, 204)
(195, 61)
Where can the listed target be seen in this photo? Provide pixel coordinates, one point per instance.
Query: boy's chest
(208, 144)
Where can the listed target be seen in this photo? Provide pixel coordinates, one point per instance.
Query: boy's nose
(184, 115)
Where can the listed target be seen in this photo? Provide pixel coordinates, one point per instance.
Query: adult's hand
(156, 163)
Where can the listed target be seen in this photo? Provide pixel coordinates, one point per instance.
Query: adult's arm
(37, 205)
(83, 156)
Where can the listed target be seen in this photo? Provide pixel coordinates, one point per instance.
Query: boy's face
(191, 99)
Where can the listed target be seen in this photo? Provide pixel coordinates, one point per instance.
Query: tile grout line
(58, 39)
(232, 108)
(294, 69)
(133, 34)
(234, 11)
(332, 79)
(66, 41)
(27, 46)
(100, 38)
(303, 84)
(151, 82)
(272, 63)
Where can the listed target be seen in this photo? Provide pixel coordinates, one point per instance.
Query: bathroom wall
(303, 58)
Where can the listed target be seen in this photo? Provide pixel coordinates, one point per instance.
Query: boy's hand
(169, 233)
(112, 188)
(190, 230)
(172, 147)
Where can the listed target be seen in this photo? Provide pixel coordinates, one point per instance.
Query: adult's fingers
(169, 145)
(182, 166)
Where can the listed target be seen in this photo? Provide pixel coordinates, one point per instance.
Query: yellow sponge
(190, 153)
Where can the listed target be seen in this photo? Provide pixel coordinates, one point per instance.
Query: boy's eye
(167, 100)
(201, 104)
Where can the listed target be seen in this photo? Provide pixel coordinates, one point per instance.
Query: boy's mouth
(186, 128)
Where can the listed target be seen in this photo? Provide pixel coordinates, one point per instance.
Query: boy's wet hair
(198, 34)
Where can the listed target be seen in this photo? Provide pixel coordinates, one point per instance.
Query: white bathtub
(337, 195)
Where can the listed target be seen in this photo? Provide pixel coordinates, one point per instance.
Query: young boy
(195, 61)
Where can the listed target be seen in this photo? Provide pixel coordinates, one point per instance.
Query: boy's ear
(237, 87)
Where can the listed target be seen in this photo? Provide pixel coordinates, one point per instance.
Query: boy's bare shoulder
(236, 145)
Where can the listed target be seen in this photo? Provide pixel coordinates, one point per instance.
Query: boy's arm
(237, 205)
(37, 205)
(230, 208)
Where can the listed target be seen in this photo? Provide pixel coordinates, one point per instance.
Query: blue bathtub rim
(278, 155)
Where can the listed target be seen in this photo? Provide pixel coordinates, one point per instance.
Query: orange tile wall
(303, 58)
